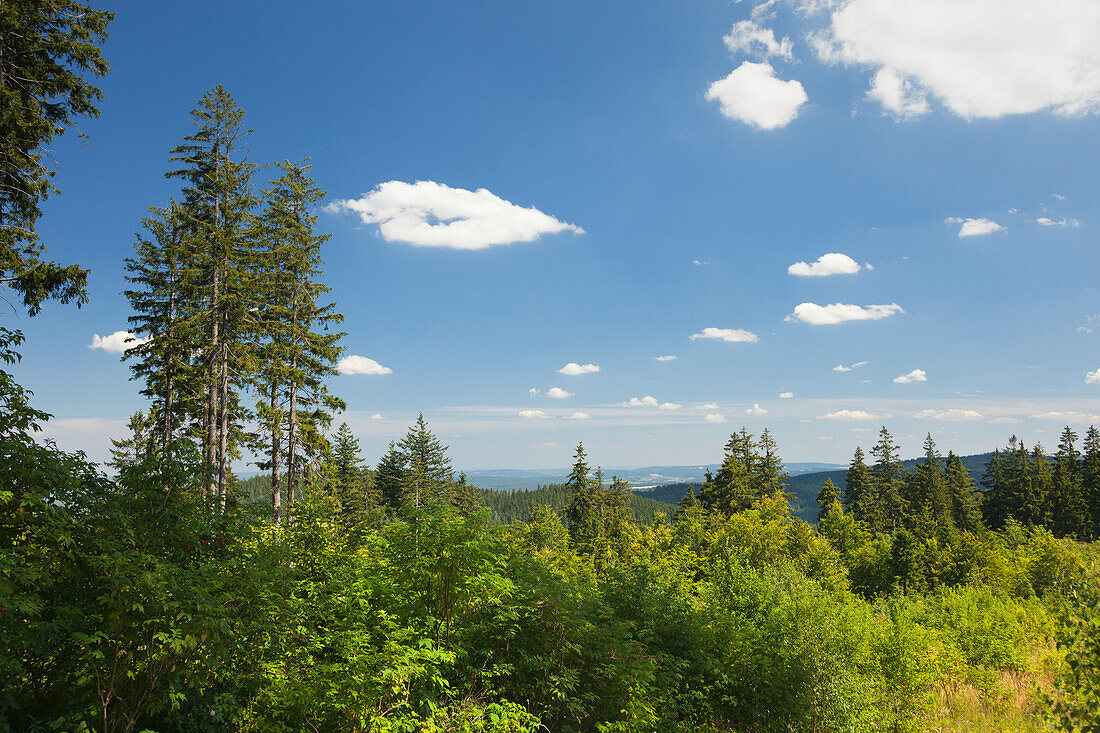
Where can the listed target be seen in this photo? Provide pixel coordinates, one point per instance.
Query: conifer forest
(242, 563)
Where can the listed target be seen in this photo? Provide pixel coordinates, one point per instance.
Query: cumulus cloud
(1044, 221)
(833, 263)
(714, 417)
(361, 365)
(558, 393)
(430, 214)
(667, 357)
(647, 401)
(979, 58)
(752, 94)
(848, 415)
(734, 335)
(756, 411)
(830, 315)
(533, 415)
(578, 416)
(1092, 377)
(377, 416)
(707, 406)
(917, 375)
(748, 37)
(954, 414)
(842, 368)
(786, 395)
(975, 227)
(573, 369)
(669, 406)
(116, 343)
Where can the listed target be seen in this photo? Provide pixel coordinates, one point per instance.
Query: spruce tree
(389, 477)
(771, 478)
(49, 59)
(217, 213)
(1090, 475)
(828, 499)
(1069, 506)
(733, 488)
(888, 479)
(427, 476)
(583, 512)
(926, 490)
(132, 450)
(858, 491)
(963, 494)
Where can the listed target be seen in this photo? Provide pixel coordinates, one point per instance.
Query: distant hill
(640, 478)
(803, 487)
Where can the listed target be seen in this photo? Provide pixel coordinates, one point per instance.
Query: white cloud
(1069, 416)
(954, 414)
(117, 342)
(842, 368)
(430, 214)
(377, 416)
(558, 393)
(647, 401)
(667, 357)
(748, 37)
(361, 365)
(578, 416)
(752, 94)
(714, 417)
(670, 406)
(1004, 421)
(756, 411)
(975, 227)
(699, 262)
(733, 335)
(786, 395)
(533, 415)
(898, 96)
(707, 406)
(829, 315)
(979, 58)
(833, 263)
(917, 375)
(1044, 221)
(1059, 196)
(825, 437)
(1092, 377)
(533, 392)
(849, 415)
(573, 369)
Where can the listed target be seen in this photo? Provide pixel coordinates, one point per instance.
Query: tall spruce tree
(828, 499)
(1090, 475)
(888, 480)
(427, 477)
(389, 477)
(733, 488)
(217, 217)
(299, 349)
(858, 491)
(926, 496)
(583, 512)
(49, 59)
(1069, 508)
(963, 494)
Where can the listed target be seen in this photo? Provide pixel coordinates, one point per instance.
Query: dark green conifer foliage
(49, 57)
(133, 449)
(771, 478)
(888, 482)
(583, 512)
(1069, 508)
(827, 498)
(217, 213)
(733, 488)
(465, 497)
(427, 477)
(389, 477)
(1090, 475)
(858, 493)
(689, 502)
(299, 350)
(963, 494)
(926, 490)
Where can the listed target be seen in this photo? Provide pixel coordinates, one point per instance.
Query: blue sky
(697, 151)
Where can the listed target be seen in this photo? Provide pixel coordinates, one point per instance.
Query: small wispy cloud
(1045, 221)
(578, 416)
(733, 335)
(954, 414)
(118, 342)
(975, 227)
(534, 391)
(842, 368)
(917, 375)
(533, 415)
(833, 263)
(573, 369)
(786, 395)
(831, 315)
(667, 357)
(361, 365)
(377, 416)
(849, 415)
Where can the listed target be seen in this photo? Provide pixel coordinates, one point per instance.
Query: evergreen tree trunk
(276, 454)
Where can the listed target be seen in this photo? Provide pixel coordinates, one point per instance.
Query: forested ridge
(343, 592)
